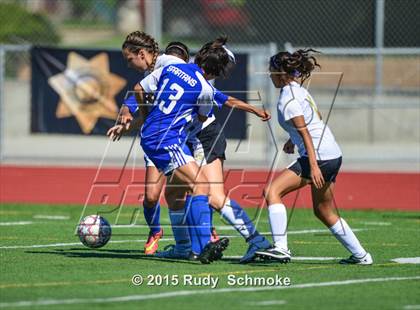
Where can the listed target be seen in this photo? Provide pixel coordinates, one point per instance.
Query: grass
(72, 271)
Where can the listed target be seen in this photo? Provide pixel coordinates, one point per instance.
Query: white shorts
(148, 162)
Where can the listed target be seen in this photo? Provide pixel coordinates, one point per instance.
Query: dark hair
(298, 64)
(213, 58)
(179, 49)
(138, 40)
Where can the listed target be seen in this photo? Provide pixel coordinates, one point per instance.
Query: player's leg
(285, 183)
(232, 212)
(174, 195)
(199, 211)
(154, 182)
(167, 159)
(182, 177)
(324, 210)
(201, 152)
(179, 198)
(177, 160)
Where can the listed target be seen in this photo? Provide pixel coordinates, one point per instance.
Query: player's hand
(316, 177)
(125, 117)
(115, 133)
(263, 114)
(289, 147)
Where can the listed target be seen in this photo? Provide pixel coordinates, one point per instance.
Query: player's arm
(235, 103)
(204, 104)
(131, 107)
(127, 122)
(316, 175)
(293, 113)
(147, 86)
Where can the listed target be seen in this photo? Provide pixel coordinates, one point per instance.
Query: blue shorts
(170, 157)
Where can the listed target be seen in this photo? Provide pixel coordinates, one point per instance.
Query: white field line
(69, 244)
(266, 303)
(51, 217)
(411, 307)
(308, 231)
(304, 258)
(172, 294)
(16, 223)
(292, 232)
(314, 231)
(130, 226)
(407, 260)
(376, 223)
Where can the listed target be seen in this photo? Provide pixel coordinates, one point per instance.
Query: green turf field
(44, 266)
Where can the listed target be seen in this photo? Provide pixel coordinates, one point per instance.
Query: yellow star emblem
(87, 90)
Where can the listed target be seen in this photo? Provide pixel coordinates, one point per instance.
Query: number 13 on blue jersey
(173, 97)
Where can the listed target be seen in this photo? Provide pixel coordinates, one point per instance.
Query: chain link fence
(323, 23)
(373, 43)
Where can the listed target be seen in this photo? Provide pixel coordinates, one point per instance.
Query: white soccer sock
(342, 231)
(238, 218)
(278, 222)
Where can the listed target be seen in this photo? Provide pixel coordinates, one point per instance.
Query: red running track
(68, 185)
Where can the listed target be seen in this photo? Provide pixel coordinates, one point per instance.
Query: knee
(151, 197)
(322, 211)
(217, 201)
(271, 194)
(175, 200)
(318, 213)
(202, 188)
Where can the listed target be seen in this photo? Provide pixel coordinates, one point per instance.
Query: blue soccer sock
(180, 230)
(211, 216)
(198, 218)
(195, 241)
(237, 217)
(152, 216)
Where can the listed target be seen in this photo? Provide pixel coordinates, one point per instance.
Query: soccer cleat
(213, 251)
(214, 236)
(152, 243)
(171, 251)
(353, 260)
(258, 243)
(282, 255)
(194, 257)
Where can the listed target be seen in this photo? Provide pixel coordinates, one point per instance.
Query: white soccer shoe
(353, 260)
(282, 255)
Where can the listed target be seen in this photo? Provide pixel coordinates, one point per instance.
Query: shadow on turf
(261, 263)
(125, 254)
(138, 254)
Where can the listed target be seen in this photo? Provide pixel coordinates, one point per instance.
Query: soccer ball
(94, 231)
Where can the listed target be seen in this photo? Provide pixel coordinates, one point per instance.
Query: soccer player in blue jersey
(140, 45)
(209, 150)
(163, 138)
(142, 53)
(210, 146)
